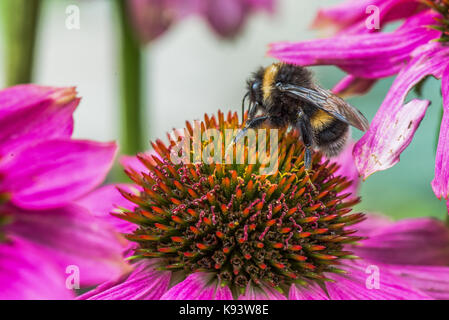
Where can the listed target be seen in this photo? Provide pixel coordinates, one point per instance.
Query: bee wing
(329, 102)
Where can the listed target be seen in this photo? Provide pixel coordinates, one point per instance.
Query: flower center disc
(227, 219)
(442, 7)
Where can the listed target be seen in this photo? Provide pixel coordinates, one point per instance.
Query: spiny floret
(282, 228)
(442, 7)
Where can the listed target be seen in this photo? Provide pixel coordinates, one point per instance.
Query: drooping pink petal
(26, 274)
(72, 236)
(392, 137)
(432, 280)
(421, 241)
(310, 292)
(361, 284)
(31, 113)
(143, 283)
(104, 200)
(369, 56)
(394, 125)
(198, 286)
(440, 183)
(52, 173)
(350, 16)
(350, 86)
(261, 292)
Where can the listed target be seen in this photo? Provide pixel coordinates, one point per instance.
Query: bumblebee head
(254, 89)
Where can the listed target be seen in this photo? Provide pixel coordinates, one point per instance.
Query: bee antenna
(243, 104)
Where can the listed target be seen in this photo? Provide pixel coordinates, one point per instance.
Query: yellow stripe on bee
(320, 119)
(268, 79)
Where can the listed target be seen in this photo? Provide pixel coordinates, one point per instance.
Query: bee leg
(253, 110)
(250, 124)
(243, 105)
(306, 133)
(308, 158)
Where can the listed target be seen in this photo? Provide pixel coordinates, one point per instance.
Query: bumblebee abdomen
(321, 119)
(331, 137)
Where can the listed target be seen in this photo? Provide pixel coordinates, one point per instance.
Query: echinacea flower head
(224, 231)
(151, 18)
(417, 49)
(43, 173)
(238, 225)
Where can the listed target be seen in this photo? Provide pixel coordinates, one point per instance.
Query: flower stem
(20, 24)
(132, 106)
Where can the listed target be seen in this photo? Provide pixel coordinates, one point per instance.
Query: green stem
(132, 106)
(21, 20)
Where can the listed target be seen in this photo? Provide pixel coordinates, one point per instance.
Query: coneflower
(224, 231)
(43, 172)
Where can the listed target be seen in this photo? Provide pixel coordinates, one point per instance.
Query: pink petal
(151, 18)
(262, 4)
(198, 286)
(394, 125)
(350, 16)
(261, 292)
(143, 283)
(350, 86)
(310, 292)
(72, 236)
(132, 163)
(27, 274)
(397, 243)
(380, 148)
(368, 56)
(30, 113)
(353, 286)
(440, 183)
(226, 17)
(52, 173)
(434, 281)
(103, 201)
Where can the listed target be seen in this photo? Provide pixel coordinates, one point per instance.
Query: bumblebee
(287, 95)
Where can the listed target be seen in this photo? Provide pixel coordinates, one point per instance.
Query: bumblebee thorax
(269, 79)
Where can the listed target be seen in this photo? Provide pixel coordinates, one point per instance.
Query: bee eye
(255, 86)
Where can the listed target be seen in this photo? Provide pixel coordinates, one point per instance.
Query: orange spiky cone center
(229, 220)
(442, 7)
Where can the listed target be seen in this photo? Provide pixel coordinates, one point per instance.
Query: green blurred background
(190, 72)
